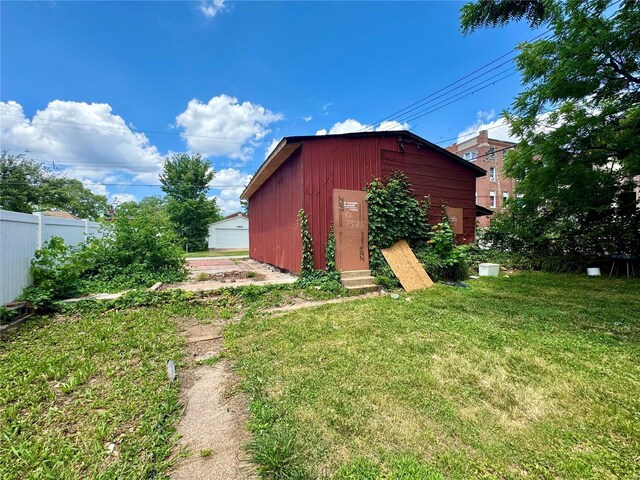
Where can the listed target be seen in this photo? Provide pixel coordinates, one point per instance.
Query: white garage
(230, 233)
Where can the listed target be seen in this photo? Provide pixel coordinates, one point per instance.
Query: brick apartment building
(494, 188)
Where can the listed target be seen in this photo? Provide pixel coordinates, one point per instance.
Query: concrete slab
(268, 274)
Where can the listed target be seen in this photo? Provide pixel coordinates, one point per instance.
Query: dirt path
(213, 427)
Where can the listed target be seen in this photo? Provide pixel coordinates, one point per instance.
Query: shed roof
(229, 218)
(288, 145)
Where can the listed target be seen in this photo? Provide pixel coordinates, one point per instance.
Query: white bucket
(489, 269)
(593, 272)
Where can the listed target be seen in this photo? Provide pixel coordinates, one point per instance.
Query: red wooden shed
(302, 172)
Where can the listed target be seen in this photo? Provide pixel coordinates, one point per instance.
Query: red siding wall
(348, 163)
(274, 234)
(307, 179)
(440, 178)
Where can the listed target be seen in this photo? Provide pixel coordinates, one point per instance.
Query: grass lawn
(206, 253)
(86, 396)
(532, 376)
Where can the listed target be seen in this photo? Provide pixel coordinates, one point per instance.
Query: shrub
(137, 250)
(326, 281)
(56, 269)
(394, 214)
(440, 256)
(140, 249)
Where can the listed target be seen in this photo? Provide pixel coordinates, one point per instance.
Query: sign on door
(351, 227)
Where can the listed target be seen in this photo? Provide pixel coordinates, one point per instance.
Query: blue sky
(106, 90)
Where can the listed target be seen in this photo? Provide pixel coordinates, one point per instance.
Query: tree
(27, 186)
(579, 123)
(185, 180)
(20, 179)
(70, 195)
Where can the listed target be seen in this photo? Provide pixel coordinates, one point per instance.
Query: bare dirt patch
(218, 273)
(213, 427)
(230, 277)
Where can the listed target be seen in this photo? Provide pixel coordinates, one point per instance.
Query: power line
(458, 96)
(400, 119)
(414, 104)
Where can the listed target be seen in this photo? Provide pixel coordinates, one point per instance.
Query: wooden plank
(406, 267)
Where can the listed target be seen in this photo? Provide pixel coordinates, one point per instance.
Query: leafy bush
(56, 269)
(138, 250)
(553, 241)
(141, 249)
(387, 282)
(394, 214)
(326, 281)
(440, 256)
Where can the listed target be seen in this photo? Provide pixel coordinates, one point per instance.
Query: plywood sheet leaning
(405, 265)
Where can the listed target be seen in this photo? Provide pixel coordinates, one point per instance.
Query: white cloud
(498, 129)
(120, 198)
(96, 188)
(392, 125)
(351, 125)
(325, 107)
(87, 141)
(210, 8)
(274, 143)
(224, 127)
(307, 118)
(231, 183)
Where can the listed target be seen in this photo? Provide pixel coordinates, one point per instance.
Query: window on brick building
(492, 199)
(505, 196)
(472, 155)
(492, 174)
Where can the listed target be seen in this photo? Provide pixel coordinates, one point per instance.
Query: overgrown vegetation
(578, 120)
(330, 250)
(306, 265)
(539, 382)
(326, 280)
(138, 249)
(395, 214)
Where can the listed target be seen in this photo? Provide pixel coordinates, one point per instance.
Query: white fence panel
(21, 234)
(73, 231)
(18, 243)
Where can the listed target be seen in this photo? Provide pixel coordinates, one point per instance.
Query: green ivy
(306, 266)
(394, 214)
(330, 251)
